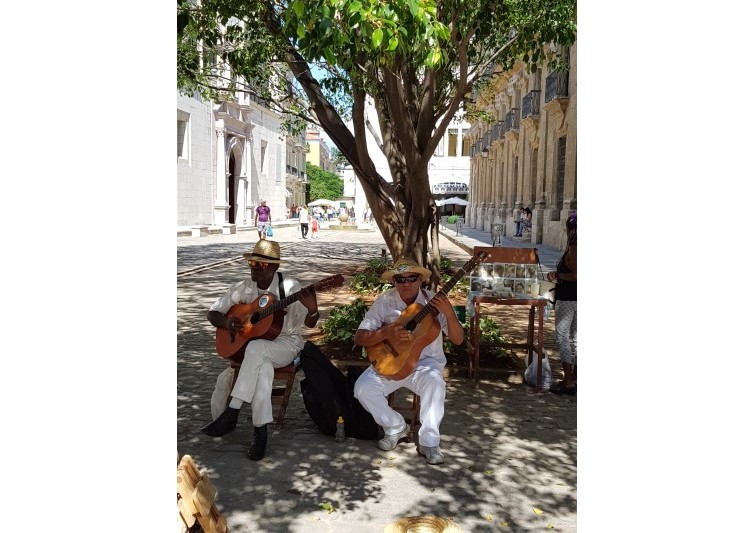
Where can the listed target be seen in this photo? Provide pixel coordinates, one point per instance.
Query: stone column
(242, 194)
(220, 209)
(538, 221)
(479, 220)
(248, 173)
(503, 215)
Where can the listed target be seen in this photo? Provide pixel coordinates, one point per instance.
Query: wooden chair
(283, 383)
(410, 410)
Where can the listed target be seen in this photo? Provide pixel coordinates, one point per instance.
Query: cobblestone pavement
(511, 454)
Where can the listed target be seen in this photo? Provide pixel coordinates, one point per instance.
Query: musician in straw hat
(254, 383)
(382, 322)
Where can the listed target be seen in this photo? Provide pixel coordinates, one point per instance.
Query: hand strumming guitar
(219, 320)
(234, 325)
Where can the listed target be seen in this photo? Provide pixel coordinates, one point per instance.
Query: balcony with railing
(479, 146)
(556, 85)
(512, 120)
(531, 104)
(498, 130)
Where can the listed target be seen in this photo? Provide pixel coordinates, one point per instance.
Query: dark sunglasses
(257, 265)
(412, 278)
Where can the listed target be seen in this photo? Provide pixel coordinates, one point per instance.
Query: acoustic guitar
(396, 359)
(262, 318)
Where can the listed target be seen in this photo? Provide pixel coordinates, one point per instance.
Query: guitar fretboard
(280, 304)
(288, 300)
(449, 285)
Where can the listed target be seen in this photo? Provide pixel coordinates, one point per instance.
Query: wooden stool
(410, 411)
(281, 393)
(283, 382)
(196, 499)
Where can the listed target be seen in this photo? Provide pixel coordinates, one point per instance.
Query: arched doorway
(232, 189)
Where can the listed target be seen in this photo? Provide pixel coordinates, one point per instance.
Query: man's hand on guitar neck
(441, 304)
(309, 299)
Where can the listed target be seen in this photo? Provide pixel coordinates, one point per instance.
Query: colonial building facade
(230, 156)
(296, 171)
(528, 156)
(318, 153)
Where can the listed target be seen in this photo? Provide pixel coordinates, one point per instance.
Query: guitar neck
(280, 304)
(420, 315)
(449, 285)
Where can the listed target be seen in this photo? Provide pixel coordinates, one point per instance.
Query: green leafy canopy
(324, 184)
(325, 61)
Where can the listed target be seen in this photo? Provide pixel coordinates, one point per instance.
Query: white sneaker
(433, 455)
(389, 442)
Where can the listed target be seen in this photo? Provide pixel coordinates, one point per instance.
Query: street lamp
(484, 153)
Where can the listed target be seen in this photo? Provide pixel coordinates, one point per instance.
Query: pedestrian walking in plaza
(518, 219)
(304, 221)
(254, 383)
(384, 322)
(314, 228)
(262, 219)
(565, 310)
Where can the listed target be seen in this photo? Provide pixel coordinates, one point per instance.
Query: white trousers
(255, 381)
(372, 391)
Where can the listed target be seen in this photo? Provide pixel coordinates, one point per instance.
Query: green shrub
(369, 280)
(342, 322)
(461, 288)
(452, 219)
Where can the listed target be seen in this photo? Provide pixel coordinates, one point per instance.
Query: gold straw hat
(406, 266)
(266, 251)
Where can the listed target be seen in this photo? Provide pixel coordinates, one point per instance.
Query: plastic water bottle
(340, 435)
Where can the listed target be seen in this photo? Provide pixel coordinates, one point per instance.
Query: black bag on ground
(328, 394)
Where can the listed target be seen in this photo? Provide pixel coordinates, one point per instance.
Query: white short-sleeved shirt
(244, 292)
(386, 310)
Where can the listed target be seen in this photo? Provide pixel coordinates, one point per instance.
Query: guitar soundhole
(255, 317)
(411, 325)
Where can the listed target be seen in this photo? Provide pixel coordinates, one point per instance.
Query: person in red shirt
(314, 226)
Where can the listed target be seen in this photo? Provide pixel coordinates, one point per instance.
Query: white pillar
(241, 202)
(249, 173)
(220, 210)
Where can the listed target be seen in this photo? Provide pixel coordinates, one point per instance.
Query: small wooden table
(533, 345)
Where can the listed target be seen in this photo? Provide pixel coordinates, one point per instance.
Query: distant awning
(322, 201)
(454, 200)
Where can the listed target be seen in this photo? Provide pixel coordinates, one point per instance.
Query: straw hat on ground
(266, 251)
(406, 266)
(422, 524)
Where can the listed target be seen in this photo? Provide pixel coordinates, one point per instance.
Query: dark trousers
(304, 226)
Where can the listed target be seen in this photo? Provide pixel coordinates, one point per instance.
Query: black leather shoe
(259, 442)
(225, 423)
